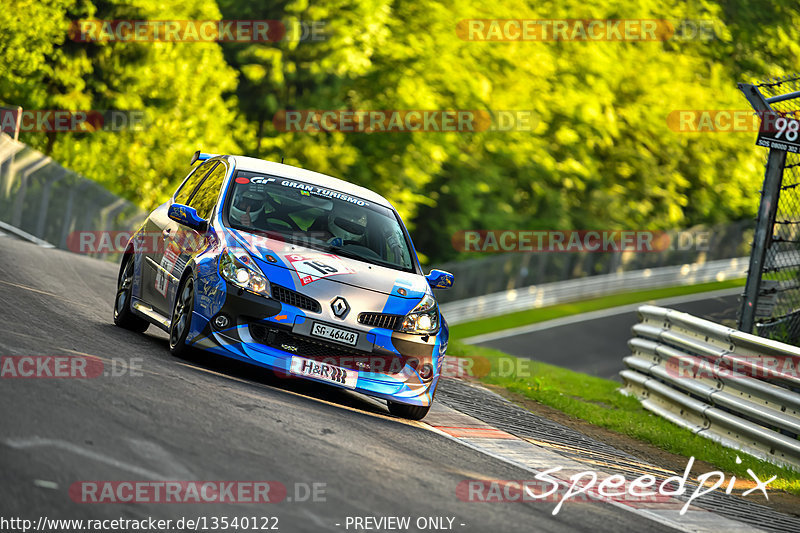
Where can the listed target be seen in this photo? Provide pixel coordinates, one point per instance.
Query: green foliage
(180, 87)
(600, 155)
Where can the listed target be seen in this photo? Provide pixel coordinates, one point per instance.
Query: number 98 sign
(779, 133)
(788, 128)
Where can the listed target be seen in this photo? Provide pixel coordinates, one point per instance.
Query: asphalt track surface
(209, 418)
(597, 346)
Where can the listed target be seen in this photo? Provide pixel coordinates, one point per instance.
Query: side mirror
(439, 279)
(183, 214)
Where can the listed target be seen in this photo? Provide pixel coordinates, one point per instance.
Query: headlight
(247, 276)
(423, 319)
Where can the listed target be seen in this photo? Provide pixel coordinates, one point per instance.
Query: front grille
(288, 296)
(379, 320)
(326, 352)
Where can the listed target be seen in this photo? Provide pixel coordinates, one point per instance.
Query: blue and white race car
(305, 274)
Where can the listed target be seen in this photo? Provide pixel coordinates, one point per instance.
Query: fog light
(424, 322)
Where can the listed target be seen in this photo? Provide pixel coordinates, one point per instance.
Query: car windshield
(317, 217)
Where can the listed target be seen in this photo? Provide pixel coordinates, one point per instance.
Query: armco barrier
(592, 287)
(41, 198)
(735, 388)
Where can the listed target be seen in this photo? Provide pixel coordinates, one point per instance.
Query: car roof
(252, 164)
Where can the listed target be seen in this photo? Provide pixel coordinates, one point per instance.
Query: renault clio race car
(305, 274)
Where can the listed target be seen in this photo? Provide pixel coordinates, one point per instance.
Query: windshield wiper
(352, 255)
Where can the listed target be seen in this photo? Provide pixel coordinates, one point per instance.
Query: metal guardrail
(42, 199)
(735, 388)
(543, 295)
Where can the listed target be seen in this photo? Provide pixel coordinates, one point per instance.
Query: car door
(157, 230)
(182, 242)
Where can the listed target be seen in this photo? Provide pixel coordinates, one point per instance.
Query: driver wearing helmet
(247, 207)
(347, 224)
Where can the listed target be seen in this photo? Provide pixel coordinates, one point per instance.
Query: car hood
(311, 270)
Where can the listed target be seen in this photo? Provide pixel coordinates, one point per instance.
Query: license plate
(335, 334)
(323, 371)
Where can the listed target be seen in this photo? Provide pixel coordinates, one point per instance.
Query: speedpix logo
(556, 485)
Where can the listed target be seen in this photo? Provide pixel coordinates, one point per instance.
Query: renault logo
(340, 307)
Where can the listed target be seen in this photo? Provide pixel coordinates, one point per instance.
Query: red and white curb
(482, 437)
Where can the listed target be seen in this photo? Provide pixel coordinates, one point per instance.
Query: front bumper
(268, 333)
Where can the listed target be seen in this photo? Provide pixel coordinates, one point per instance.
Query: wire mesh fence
(773, 281)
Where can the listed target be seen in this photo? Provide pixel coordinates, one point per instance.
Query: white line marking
(517, 464)
(692, 521)
(38, 442)
(593, 315)
(29, 288)
(56, 296)
(261, 386)
(160, 457)
(25, 235)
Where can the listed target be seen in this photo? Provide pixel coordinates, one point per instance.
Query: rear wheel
(411, 412)
(181, 318)
(123, 316)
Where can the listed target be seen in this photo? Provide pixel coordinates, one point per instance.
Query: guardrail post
(45, 203)
(766, 215)
(762, 237)
(68, 225)
(19, 201)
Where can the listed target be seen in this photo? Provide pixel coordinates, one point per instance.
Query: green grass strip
(598, 402)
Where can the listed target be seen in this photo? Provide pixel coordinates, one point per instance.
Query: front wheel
(181, 318)
(123, 316)
(411, 412)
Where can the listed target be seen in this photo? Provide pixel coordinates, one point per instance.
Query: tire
(181, 321)
(123, 316)
(410, 412)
